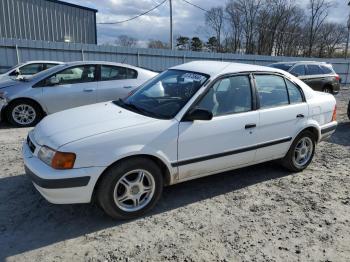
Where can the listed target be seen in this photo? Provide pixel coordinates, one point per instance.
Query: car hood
(78, 123)
(7, 82)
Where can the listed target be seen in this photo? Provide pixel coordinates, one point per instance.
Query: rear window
(326, 69)
(284, 67)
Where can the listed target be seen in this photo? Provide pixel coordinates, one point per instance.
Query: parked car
(27, 69)
(207, 118)
(319, 76)
(26, 101)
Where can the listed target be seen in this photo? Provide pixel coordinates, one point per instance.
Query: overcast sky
(188, 20)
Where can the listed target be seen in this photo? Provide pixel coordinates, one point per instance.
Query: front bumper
(60, 186)
(2, 106)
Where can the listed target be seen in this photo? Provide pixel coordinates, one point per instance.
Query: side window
(272, 91)
(299, 70)
(48, 66)
(73, 75)
(294, 92)
(31, 69)
(132, 74)
(113, 73)
(228, 96)
(314, 70)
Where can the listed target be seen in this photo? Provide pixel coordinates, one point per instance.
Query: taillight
(337, 77)
(334, 116)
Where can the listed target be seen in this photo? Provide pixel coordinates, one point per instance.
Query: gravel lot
(260, 213)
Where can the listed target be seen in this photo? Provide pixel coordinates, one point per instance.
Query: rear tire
(301, 152)
(24, 113)
(130, 189)
(327, 89)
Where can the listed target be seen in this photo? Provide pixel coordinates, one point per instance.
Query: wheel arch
(313, 129)
(4, 112)
(160, 163)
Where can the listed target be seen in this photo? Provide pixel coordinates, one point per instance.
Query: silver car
(24, 102)
(27, 69)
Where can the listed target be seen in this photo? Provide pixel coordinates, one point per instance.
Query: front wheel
(301, 152)
(130, 188)
(24, 113)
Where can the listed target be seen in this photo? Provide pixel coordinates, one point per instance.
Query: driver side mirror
(53, 81)
(198, 114)
(15, 73)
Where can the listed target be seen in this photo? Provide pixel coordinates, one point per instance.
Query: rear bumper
(328, 130)
(60, 186)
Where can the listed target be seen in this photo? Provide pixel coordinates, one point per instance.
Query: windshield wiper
(134, 108)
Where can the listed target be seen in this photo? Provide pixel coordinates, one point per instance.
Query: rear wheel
(130, 189)
(24, 113)
(301, 152)
(328, 89)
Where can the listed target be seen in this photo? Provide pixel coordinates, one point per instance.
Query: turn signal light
(63, 160)
(334, 116)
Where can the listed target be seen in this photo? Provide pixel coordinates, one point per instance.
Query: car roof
(213, 68)
(42, 61)
(300, 62)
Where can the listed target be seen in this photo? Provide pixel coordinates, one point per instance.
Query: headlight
(55, 159)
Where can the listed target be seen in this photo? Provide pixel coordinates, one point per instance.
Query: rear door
(228, 139)
(283, 113)
(116, 82)
(71, 87)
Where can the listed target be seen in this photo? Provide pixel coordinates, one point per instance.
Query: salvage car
(27, 69)
(319, 76)
(25, 101)
(193, 120)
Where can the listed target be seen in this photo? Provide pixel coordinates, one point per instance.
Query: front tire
(24, 113)
(130, 189)
(301, 152)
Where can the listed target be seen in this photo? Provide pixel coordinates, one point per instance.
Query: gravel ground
(260, 213)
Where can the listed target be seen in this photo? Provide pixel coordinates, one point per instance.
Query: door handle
(300, 116)
(248, 126)
(89, 89)
(128, 87)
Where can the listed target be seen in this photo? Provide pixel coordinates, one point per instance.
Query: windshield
(284, 67)
(165, 95)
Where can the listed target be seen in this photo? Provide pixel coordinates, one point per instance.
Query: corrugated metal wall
(47, 20)
(14, 51)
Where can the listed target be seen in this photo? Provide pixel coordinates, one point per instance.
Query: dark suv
(319, 76)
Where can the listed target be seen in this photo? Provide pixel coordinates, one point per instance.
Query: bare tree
(330, 35)
(157, 44)
(214, 19)
(235, 26)
(124, 40)
(318, 14)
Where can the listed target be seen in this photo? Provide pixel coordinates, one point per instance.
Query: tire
(24, 113)
(349, 110)
(327, 89)
(119, 200)
(290, 161)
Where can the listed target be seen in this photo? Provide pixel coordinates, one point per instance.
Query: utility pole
(171, 25)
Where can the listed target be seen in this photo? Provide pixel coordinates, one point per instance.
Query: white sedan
(193, 120)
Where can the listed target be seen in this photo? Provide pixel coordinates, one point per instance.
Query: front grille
(30, 144)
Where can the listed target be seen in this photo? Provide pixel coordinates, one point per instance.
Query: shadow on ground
(28, 222)
(341, 135)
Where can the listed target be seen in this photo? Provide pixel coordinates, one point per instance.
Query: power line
(135, 17)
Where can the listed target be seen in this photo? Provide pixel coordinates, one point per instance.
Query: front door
(227, 140)
(72, 87)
